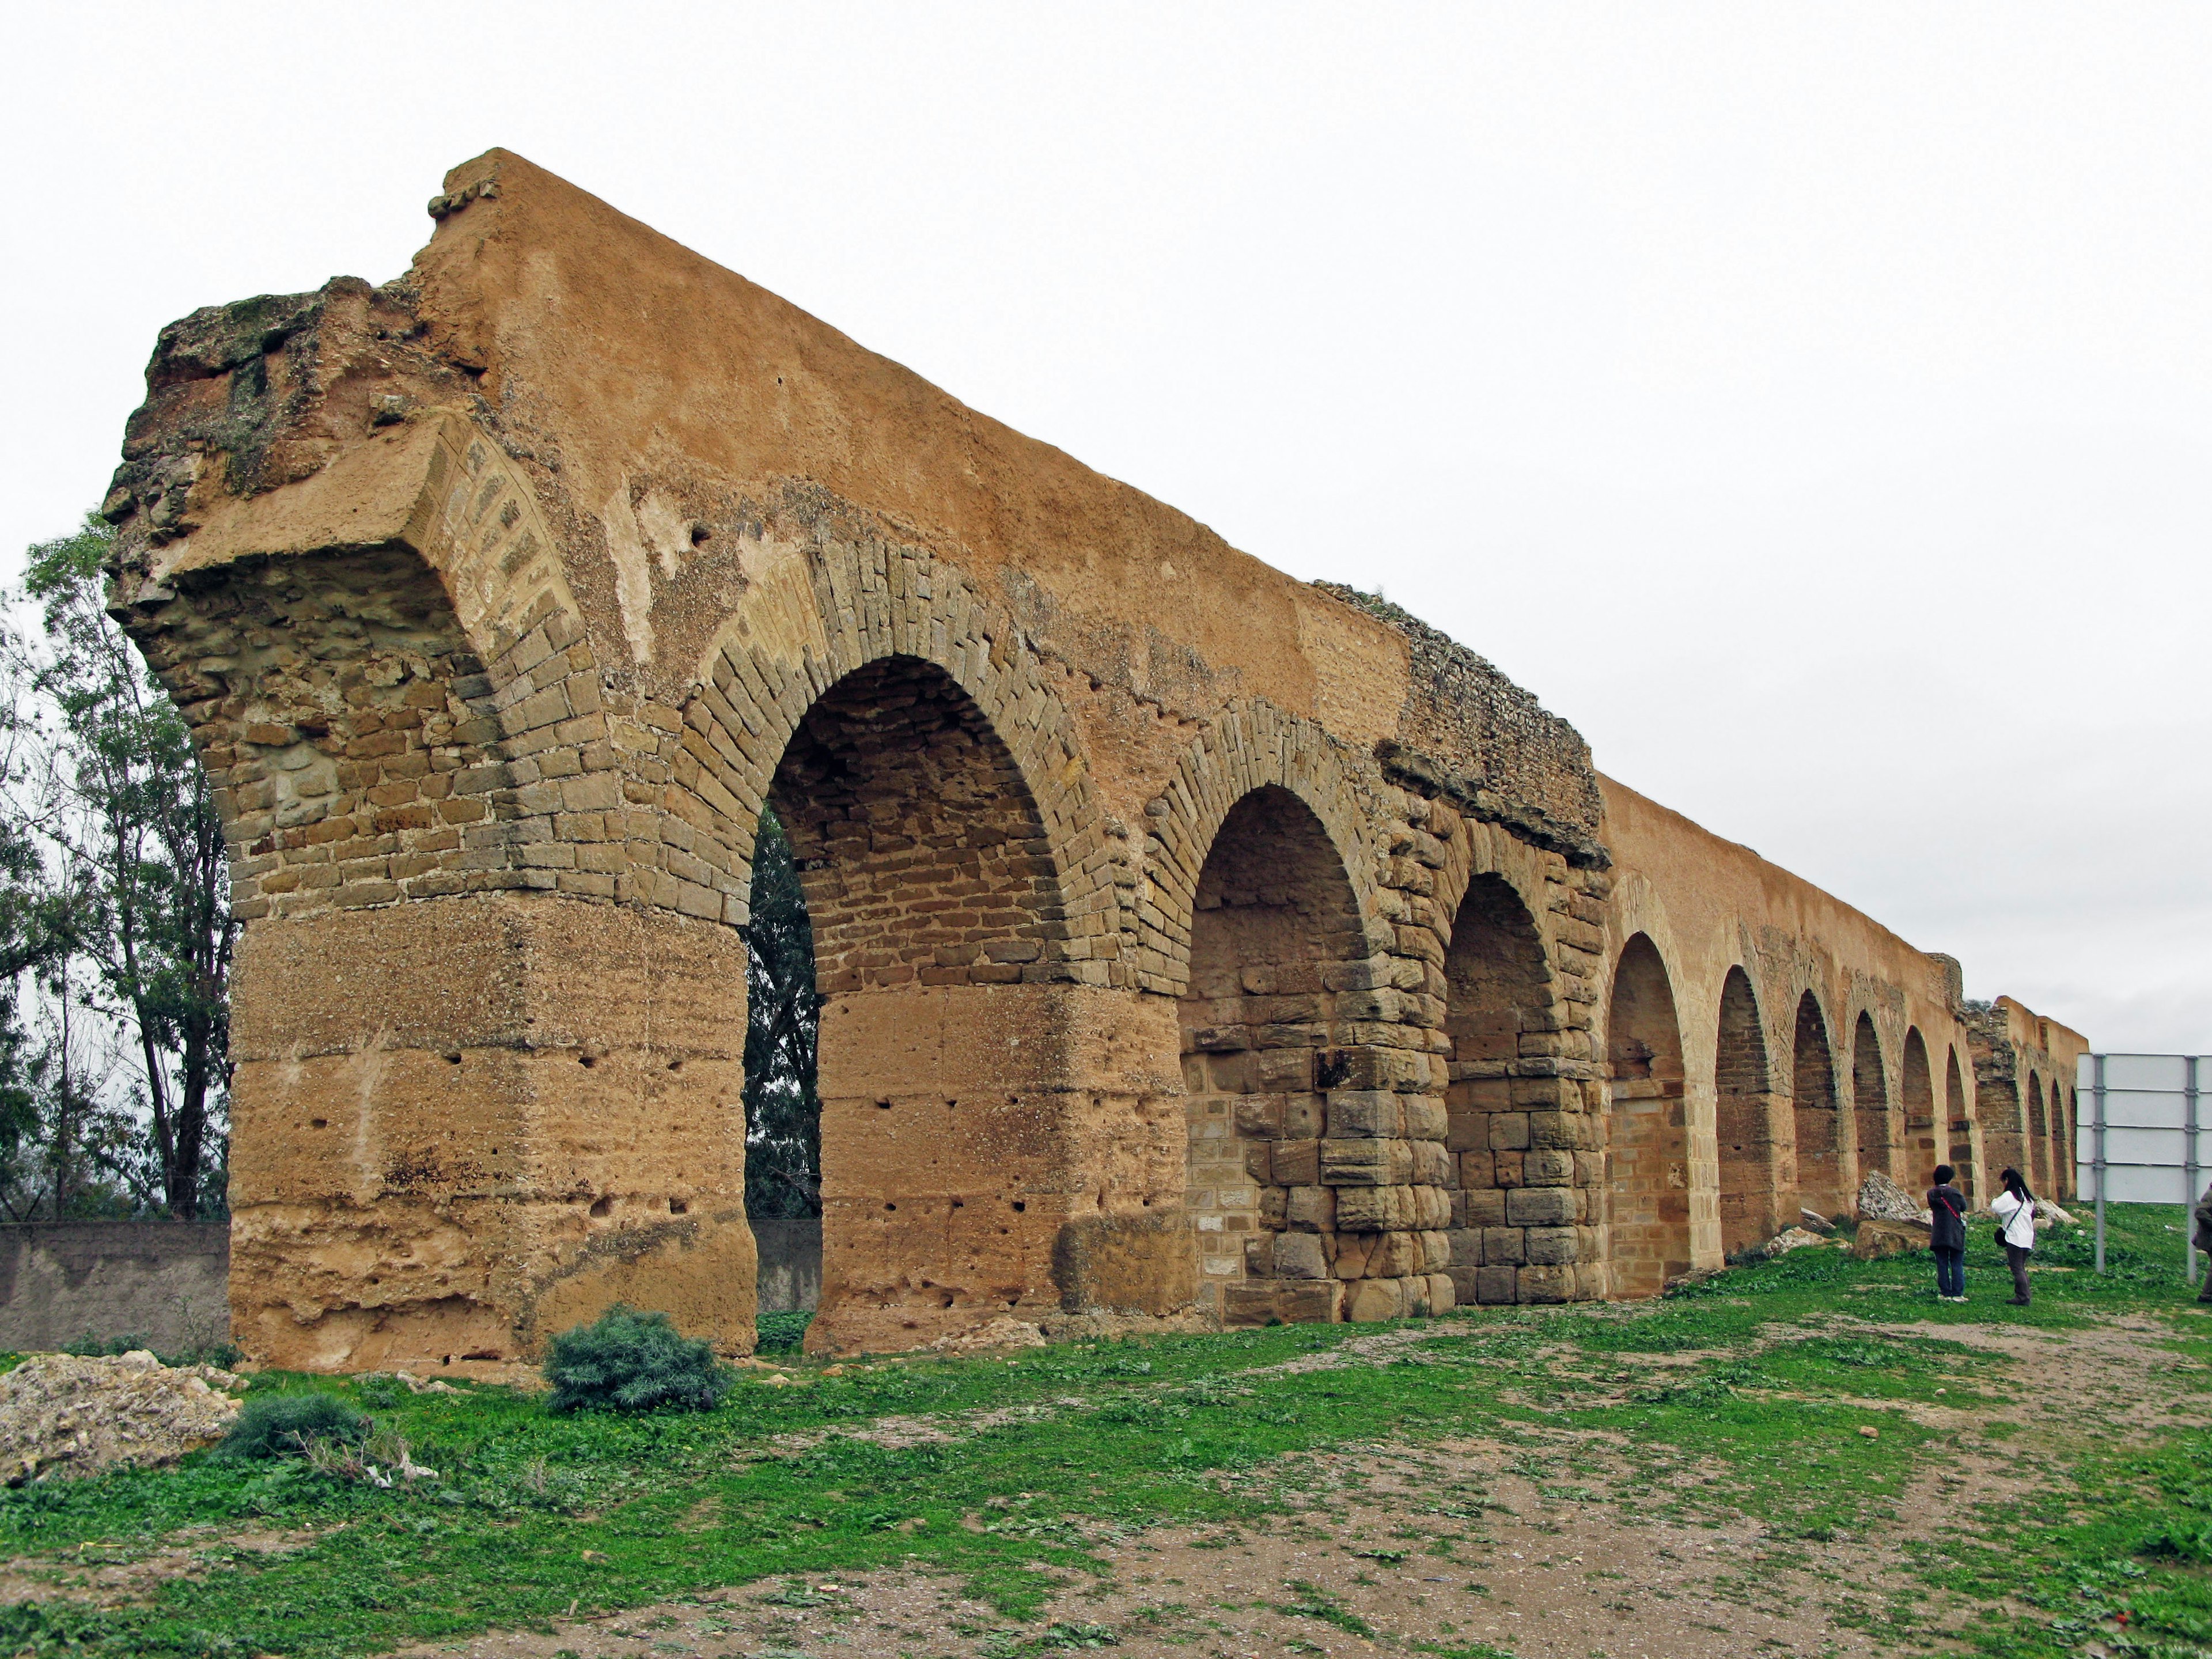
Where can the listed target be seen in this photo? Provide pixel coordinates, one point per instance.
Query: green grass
(532, 1512)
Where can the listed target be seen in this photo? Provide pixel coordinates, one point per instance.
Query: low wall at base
(165, 1282)
(790, 1264)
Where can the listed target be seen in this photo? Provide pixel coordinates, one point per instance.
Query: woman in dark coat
(1947, 1214)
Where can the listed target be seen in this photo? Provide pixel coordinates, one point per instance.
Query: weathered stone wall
(1194, 941)
(2025, 1069)
(162, 1283)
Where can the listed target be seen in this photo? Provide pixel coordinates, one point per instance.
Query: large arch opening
(1499, 1009)
(1870, 1098)
(2065, 1103)
(1273, 920)
(1812, 1112)
(1647, 1155)
(1752, 1155)
(929, 886)
(1960, 1154)
(2036, 1157)
(783, 1108)
(1925, 1137)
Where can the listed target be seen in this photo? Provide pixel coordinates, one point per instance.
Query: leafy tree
(144, 884)
(33, 937)
(783, 1113)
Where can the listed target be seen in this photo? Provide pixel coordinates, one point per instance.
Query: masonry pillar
(462, 1125)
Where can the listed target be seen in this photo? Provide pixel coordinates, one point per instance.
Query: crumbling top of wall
(669, 437)
(1468, 732)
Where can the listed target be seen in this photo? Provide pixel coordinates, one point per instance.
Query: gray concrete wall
(166, 1282)
(790, 1264)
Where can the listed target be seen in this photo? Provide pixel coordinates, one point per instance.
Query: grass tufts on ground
(1749, 1396)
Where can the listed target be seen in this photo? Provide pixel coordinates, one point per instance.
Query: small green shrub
(781, 1333)
(283, 1424)
(628, 1361)
(222, 1355)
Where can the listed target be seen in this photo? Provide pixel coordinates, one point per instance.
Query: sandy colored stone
(1162, 904)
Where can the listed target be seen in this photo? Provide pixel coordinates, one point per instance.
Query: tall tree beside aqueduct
(1190, 940)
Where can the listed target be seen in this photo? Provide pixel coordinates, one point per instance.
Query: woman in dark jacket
(1947, 1212)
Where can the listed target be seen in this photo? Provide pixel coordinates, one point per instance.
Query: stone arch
(1925, 1138)
(1869, 1097)
(1813, 1111)
(819, 616)
(919, 845)
(1755, 1166)
(2036, 1154)
(1252, 747)
(1515, 1211)
(1958, 1123)
(1648, 1184)
(935, 905)
(1273, 925)
(2065, 1149)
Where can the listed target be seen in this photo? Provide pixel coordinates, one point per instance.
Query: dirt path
(1449, 1547)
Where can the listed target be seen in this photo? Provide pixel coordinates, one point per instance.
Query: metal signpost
(2188, 1222)
(2146, 1121)
(2097, 1093)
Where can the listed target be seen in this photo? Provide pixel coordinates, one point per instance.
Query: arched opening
(1960, 1156)
(2036, 1157)
(1647, 1159)
(1499, 1010)
(929, 886)
(783, 1108)
(1752, 1155)
(1870, 1098)
(1924, 1135)
(1812, 1112)
(1273, 921)
(2064, 1166)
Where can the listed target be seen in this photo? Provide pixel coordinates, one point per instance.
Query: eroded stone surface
(1195, 942)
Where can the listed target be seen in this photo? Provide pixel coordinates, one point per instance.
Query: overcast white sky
(1814, 403)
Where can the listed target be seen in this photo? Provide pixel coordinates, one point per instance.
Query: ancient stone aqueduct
(1194, 941)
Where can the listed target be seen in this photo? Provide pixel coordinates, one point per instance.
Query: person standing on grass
(2014, 1208)
(1947, 1213)
(2204, 1239)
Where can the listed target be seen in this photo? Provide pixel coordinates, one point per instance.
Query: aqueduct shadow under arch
(1869, 1098)
(1925, 1137)
(1273, 921)
(1648, 1184)
(1813, 1112)
(1958, 1127)
(1755, 1162)
(932, 893)
(1499, 1007)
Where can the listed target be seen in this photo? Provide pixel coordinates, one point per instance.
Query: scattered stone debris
(63, 1417)
(2047, 1215)
(1813, 1222)
(416, 1385)
(1794, 1238)
(1882, 1200)
(1003, 1332)
(1878, 1238)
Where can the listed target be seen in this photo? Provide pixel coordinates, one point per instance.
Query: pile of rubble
(62, 1417)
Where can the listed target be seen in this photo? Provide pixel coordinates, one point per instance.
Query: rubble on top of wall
(1473, 735)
